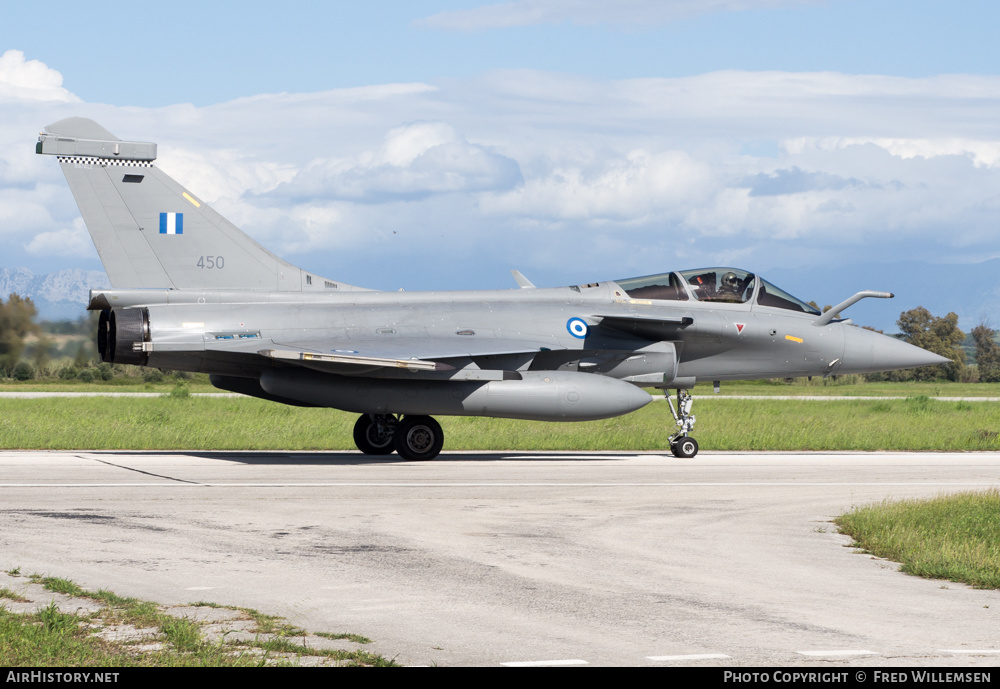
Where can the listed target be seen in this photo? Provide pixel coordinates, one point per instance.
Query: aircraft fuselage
(718, 342)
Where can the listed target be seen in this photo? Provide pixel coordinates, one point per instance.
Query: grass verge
(955, 537)
(127, 632)
(199, 423)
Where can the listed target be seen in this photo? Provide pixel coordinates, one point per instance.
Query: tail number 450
(211, 262)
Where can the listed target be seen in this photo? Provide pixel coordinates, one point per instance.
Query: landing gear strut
(414, 438)
(681, 444)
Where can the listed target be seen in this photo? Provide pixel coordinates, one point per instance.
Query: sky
(437, 145)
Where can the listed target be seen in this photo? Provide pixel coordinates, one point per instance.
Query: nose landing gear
(681, 444)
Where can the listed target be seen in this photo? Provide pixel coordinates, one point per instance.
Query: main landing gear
(681, 444)
(415, 438)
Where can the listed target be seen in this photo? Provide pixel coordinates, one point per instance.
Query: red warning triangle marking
(739, 327)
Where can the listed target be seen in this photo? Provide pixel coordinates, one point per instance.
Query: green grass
(12, 595)
(50, 637)
(271, 624)
(32, 640)
(181, 633)
(193, 423)
(58, 585)
(198, 383)
(356, 638)
(852, 386)
(284, 646)
(955, 537)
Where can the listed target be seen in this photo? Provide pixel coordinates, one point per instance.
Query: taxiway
(512, 558)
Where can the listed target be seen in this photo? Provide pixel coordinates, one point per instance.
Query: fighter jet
(192, 292)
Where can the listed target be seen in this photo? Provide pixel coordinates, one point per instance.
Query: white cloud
(22, 79)
(633, 12)
(25, 211)
(404, 144)
(223, 173)
(73, 241)
(983, 153)
(414, 161)
(626, 189)
(578, 178)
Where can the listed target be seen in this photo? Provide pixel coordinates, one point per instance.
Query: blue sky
(156, 54)
(433, 145)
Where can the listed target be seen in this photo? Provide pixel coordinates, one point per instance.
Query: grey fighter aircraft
(194, 293)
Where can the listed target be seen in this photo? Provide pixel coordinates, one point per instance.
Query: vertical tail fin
(149, 230)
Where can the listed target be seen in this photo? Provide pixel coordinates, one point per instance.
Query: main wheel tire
(373, 438)
(685, 447)
(418, 438)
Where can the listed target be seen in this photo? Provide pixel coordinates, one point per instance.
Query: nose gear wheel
(681, 443)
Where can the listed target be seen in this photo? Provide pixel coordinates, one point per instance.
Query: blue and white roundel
(577, 327)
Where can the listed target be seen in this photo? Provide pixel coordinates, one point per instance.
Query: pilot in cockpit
(733, 289)
(729, 285)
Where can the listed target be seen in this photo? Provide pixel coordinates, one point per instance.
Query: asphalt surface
(510, 558)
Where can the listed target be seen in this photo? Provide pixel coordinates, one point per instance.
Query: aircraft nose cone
(869, 352)
(890, 354)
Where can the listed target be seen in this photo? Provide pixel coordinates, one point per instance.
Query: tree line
(942, 336)
(66, 350)
(17, 321)
(18, 325)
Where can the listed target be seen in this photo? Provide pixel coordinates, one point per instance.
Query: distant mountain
(971, 290)
(57, 296)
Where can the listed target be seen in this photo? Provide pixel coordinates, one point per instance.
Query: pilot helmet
(730, 280)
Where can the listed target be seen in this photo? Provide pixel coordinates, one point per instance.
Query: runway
(515, 558)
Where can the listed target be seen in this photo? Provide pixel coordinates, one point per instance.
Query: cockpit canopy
(725, 285)
(721, 284)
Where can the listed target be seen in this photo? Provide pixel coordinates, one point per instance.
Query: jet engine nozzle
(118, 333)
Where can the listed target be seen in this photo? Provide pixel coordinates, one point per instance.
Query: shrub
(23, 371)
